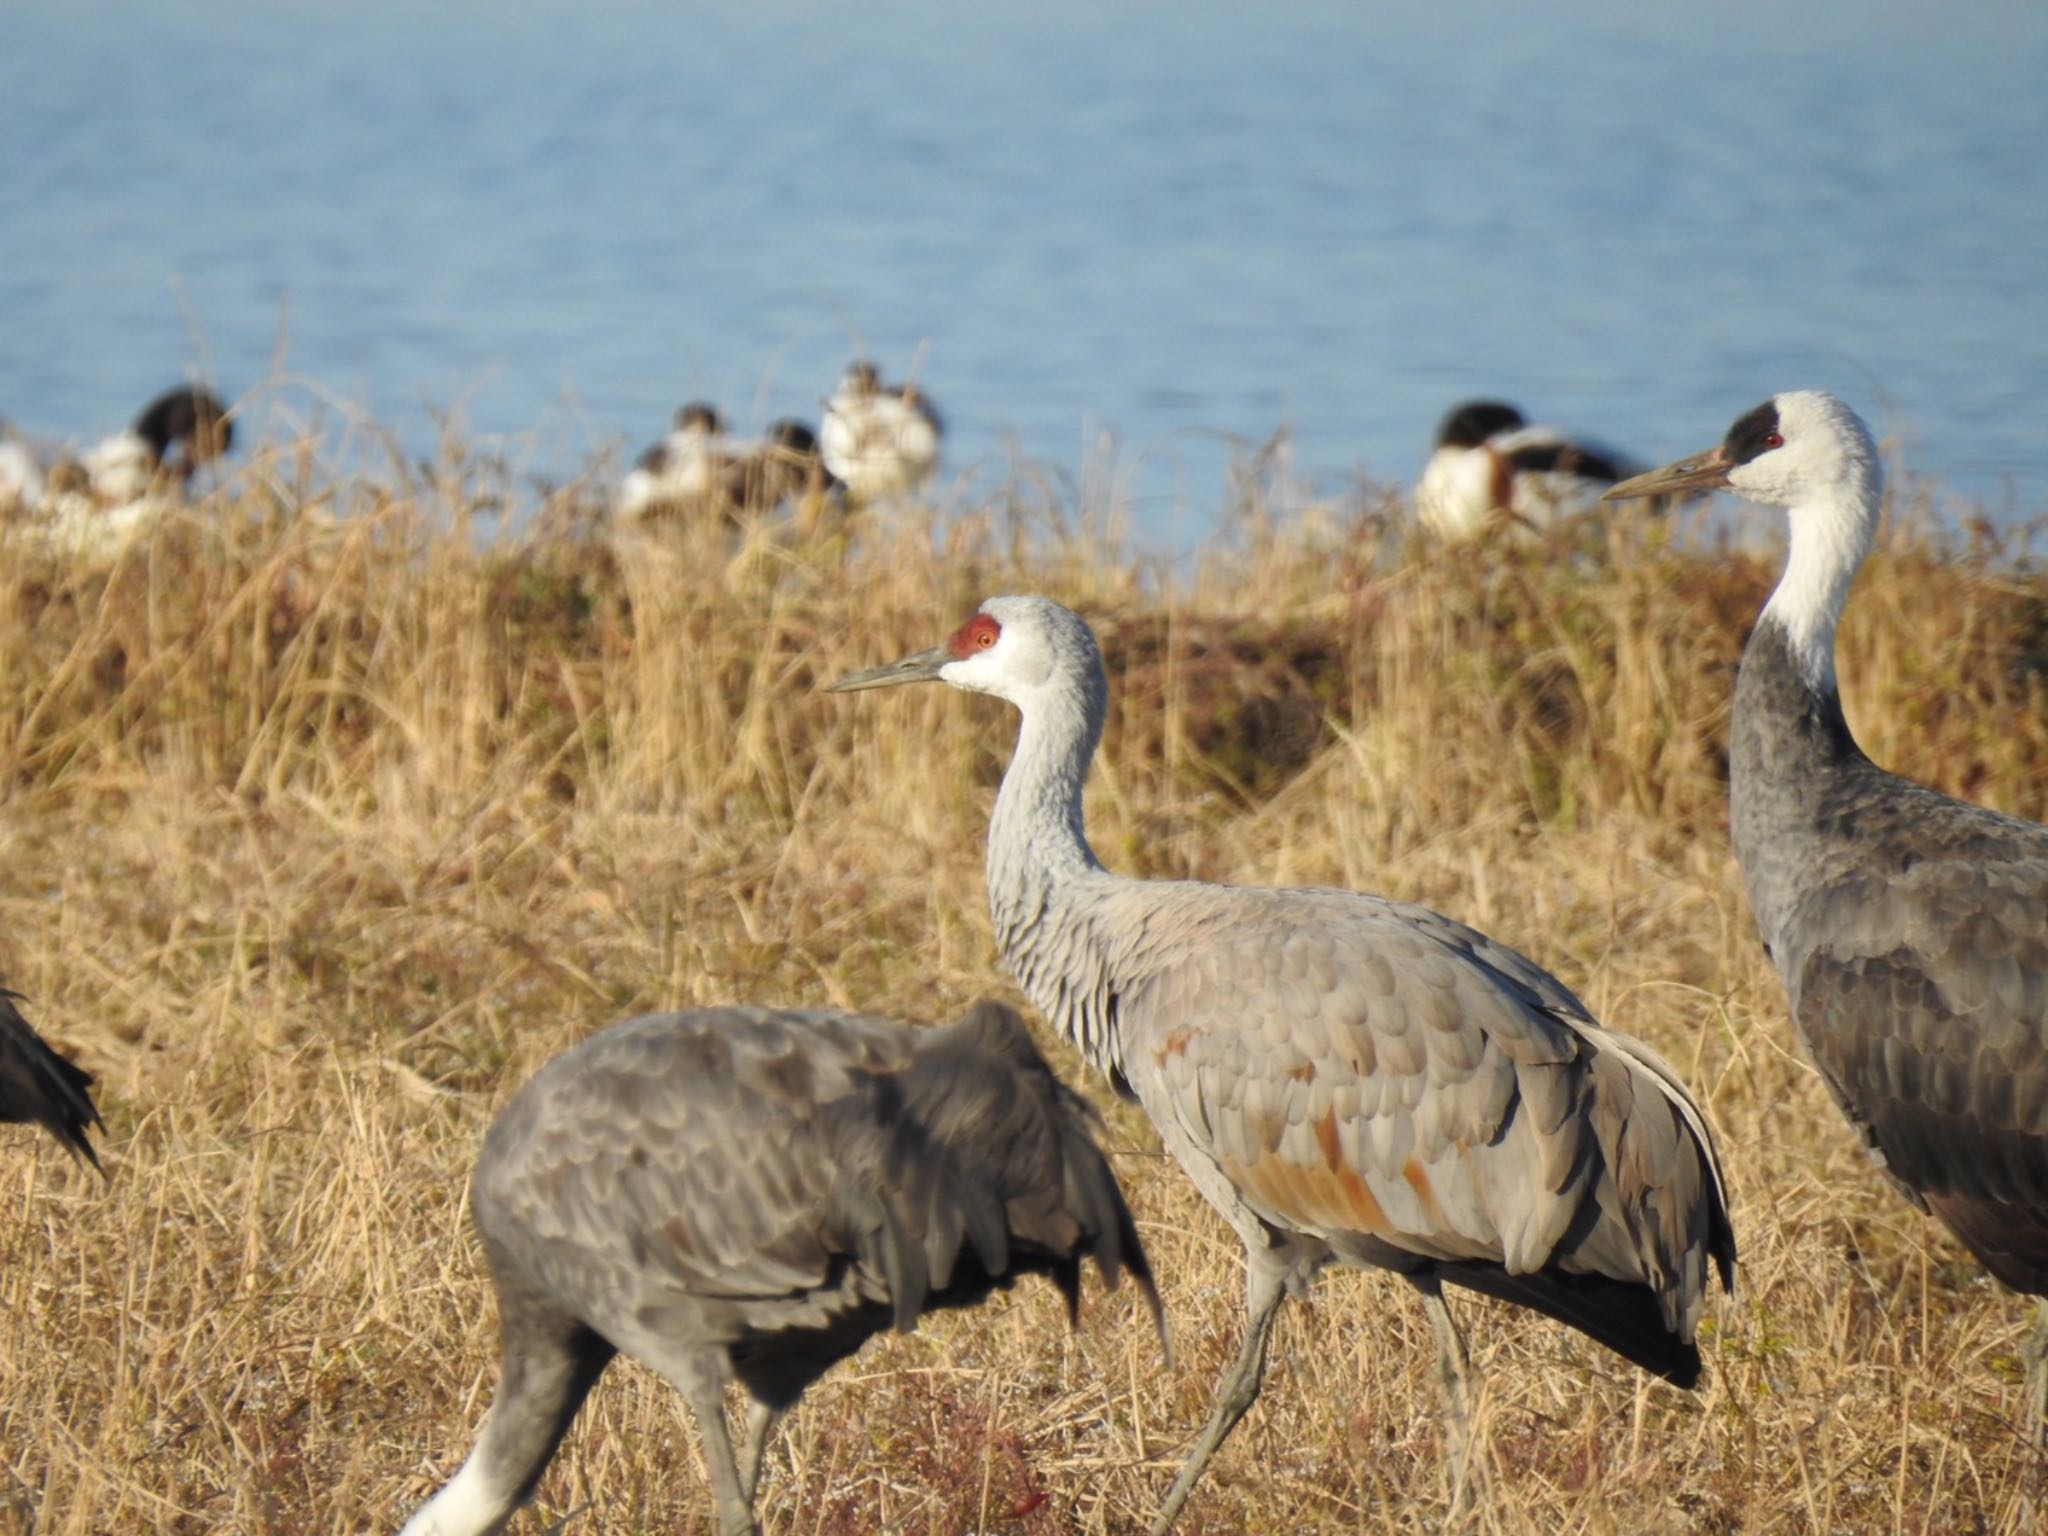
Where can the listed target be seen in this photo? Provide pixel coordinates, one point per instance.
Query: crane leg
(761, 1419)
(1265, 1289)
(706, 1396)
(1454, 1377)
(699, 1374)
(550, 1363)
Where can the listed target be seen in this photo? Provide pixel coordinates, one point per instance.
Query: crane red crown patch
(977, 634)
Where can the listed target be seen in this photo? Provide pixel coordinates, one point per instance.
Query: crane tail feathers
(39, 1087)
(1622, 1315)
(2009, 1240)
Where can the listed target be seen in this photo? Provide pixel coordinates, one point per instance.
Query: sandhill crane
(1345, 1078)
(681, 470)
(39, 1087)
(880, 439)
(1490, 467)
(1911, 930)
(750, 1193)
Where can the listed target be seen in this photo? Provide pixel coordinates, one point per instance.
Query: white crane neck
(1831, 533)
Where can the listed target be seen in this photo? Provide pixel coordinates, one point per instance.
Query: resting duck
(1491, 467)
(879, 439)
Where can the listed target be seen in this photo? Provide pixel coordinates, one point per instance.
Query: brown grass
(320, 836)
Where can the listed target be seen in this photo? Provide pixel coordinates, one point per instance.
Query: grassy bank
(323, 827)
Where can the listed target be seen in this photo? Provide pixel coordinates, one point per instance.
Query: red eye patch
(977, 634)
(1775, 440)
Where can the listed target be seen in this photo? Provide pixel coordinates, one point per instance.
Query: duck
(681, 470)
(1492, 469)
(880, 440)
(783, 469)
(22, 486)
(92, 506)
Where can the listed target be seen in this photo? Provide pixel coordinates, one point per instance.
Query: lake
(1185, 225)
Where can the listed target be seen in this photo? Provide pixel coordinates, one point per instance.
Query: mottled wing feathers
(39, 1087)
(1411, 1093)
(683, 1146)
(981, 1150)
(751, 1163)
(1922, 995)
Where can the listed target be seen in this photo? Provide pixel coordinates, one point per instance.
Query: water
(1182, 224)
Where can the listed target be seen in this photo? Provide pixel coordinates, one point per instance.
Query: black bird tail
(1621, 1314)
(39, 1087)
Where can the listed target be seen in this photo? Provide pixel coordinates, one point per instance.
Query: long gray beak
(1701, 472)
(922, 667)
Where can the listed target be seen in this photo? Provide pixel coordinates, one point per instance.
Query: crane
(751, 1193)
(1490, 465)
(1345, 1078)
(39, 1087)
(1910, 929)
(880, 439)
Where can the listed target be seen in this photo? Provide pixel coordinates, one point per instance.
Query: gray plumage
(39, 1087)
(1911, 929)
(1344, 1078)
(750, 1194)
(1912, 934)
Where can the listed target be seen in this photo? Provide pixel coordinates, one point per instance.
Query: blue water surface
(1187, 225)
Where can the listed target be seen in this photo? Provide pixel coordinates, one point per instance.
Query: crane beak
(922, 667)
(1701, 472)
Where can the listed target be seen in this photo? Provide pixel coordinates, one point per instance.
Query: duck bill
(1700, 472)
(923, 667)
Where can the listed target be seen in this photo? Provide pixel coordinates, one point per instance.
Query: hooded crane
(750, 1193)
(39, 1087)
(1911, 930)
(1490, 466)
(1345, 1078)
(880, 439)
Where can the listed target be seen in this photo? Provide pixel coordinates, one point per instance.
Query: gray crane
(1345, 1078)
(39, 1087)
(749, 1194)
(1911, 930)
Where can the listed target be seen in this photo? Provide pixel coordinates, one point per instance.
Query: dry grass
(319, 837)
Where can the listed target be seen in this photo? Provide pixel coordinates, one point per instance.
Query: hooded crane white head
(1808, 453)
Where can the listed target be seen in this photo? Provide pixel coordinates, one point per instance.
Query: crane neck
(1036, 839)
(1831, 533)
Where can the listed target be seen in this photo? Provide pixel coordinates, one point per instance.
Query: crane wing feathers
(688, 1143)
(779, 1169)
(1922, 996)
(1379, 1076)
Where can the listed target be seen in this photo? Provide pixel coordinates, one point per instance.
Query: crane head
(1796, 449)
(1024, 649)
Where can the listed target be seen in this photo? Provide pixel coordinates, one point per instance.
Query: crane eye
(977, 634)
(1775, 440)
